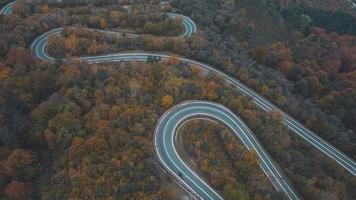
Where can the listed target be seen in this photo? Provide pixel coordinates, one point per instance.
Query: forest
(74, 130)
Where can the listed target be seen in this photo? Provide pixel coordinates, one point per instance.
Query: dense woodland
(226, 163)
(80, 131)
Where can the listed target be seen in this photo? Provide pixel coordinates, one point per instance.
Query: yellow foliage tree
(5, 73)
(204, 165)
(210, 93)
(196, 70)
(172, 60)
(95, 48)
(167, 101)
(44, 8)
(103, 24)
(71, 44)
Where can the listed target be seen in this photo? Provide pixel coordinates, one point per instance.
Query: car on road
(180, 174)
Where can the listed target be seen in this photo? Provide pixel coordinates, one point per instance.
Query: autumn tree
(78, 148)
(44, 8)
(21, 9)
(56, 46)
(71, 44)
(168, 194)
(20, 165)
(17, 191)
(4, 72)
(235, 192)
(95, 48)
(211, 91)
(19, 56)
(167, 101)
(116, 17)
(98, 22)
(50, 138)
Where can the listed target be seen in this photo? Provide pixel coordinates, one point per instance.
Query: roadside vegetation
(79, 131)
(225, 162)
(303, 69)
(87, 130)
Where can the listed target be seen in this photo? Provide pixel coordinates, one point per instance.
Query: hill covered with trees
(76, 130)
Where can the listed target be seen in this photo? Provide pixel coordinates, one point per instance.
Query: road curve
(353, 5)
(38, 46)
(7, 9)
(165, 139)
(191, 180)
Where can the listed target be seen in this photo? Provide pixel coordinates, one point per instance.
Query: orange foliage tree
(167, 101)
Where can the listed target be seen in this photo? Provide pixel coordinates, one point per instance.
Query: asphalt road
(165, 139)
(6, 10)
(353, 5)
(39, 44)
(165, 148)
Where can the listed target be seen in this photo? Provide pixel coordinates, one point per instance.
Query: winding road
(6, 10)
(170, 121)
(353, 5)
(165, 138)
